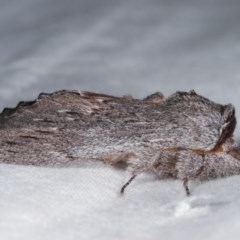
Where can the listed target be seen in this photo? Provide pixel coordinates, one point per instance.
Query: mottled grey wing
(191, 121)
(52, 129)
(68, 126)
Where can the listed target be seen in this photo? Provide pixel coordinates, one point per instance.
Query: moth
(184, 136)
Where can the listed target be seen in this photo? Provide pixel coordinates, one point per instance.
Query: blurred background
(119, 47)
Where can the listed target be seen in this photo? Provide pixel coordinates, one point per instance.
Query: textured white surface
(117, 47)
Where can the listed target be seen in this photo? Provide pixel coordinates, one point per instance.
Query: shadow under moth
(184, 136)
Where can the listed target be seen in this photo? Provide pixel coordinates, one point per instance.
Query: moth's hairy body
(169, 136)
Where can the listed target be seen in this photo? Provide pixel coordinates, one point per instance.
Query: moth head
(229, 145)
(228, 123)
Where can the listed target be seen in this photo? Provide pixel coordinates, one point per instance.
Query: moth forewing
(173, 136)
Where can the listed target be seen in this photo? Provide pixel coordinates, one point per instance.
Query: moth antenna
(127, 183)
(185, 185)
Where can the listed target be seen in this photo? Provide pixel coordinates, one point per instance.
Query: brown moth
(184, 136)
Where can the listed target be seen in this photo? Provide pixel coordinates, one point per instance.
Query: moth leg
(127, 183)
(139, 165)
(185, 185)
